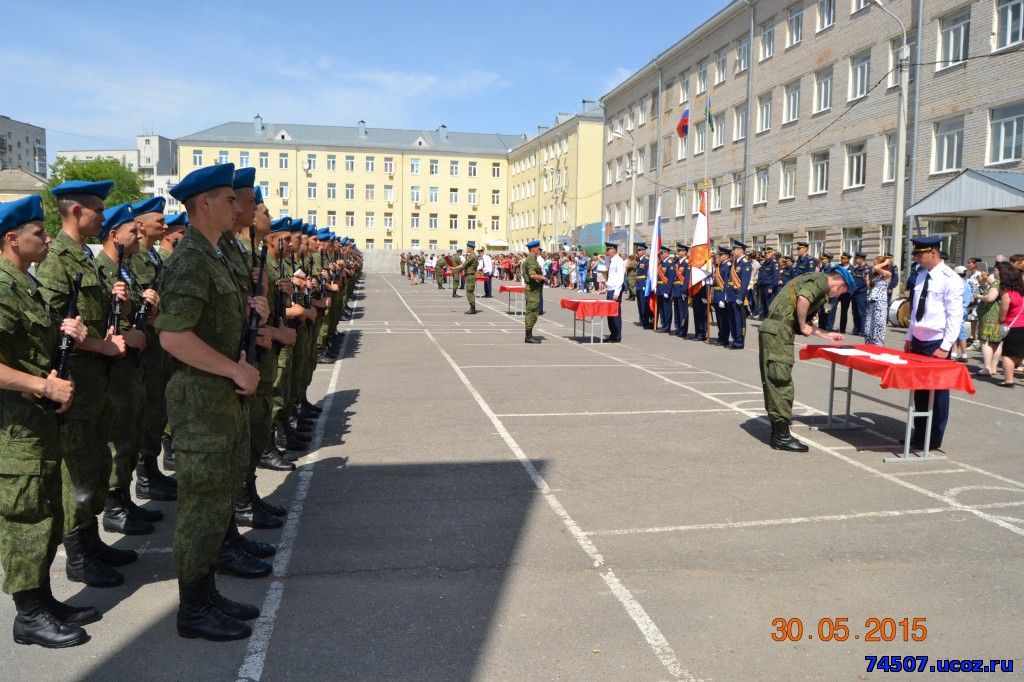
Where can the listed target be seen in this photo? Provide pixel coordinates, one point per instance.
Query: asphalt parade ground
(479, 508)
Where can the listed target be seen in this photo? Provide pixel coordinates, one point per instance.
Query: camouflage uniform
(85, 463)
(145, 265)
(282, 378)
(533, 291)
(241, 265)
(456, 260)
(201, 295)
(31, 521)
(470, 272)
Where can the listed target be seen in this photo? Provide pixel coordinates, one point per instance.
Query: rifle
(252, 325)
(252, 244)
(116, 306)
(66, 347)
(145, 308)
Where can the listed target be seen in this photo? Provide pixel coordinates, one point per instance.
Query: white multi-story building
(22, 147)
(154, 157)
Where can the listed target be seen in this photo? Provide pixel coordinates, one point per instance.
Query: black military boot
(66, 613)
(83, 567)
(168, 452)
(273, 460)
(309, 409)
(151, 515)
(111, 556)
(231, 609)
(472, 309)
(35, 624)
(117, 519)
(252, 517)
(782, 439)
(283, 437)
(234, 560)
(294, 433)
(263, 504)
(197, 616)
(260, 550)
(152, 484)
(303, 425)
(530, 338)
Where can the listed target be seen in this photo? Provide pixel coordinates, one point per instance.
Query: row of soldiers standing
(171, 345)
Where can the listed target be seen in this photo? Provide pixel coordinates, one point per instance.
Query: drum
(899, 312)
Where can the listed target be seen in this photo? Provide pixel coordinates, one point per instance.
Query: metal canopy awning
(974, 193)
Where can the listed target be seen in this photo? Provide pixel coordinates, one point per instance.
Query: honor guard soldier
(791, 313)
(804, 263)
(666, 275)
(859, 294)
(201, 321)
(32, 398)
(738, 292)
(768, 280)
(642, 265)
(616, 283)
(722, 274)
(534, 279)
(680, 291)
(86, 463)
(468, 270)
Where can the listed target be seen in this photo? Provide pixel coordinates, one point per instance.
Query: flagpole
(711, 256)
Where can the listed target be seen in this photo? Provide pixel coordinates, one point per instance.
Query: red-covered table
(896, 369)
(518, 290)
(593, 309)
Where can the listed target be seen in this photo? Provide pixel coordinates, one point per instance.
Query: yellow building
(555, 180)
(385, 188)
(16, 183)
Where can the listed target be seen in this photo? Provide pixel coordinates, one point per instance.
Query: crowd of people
(190, 336)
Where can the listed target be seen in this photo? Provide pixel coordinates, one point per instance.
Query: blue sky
(97, 77)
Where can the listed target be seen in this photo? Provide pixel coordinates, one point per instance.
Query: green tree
(127, 184)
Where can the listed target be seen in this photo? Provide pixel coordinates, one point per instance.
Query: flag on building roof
(683, 127)
(708, 115)
(700, 248)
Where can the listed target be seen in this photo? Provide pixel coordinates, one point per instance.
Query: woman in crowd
(414, 269)
(988, 324)
(1011, 307)
(874, 330)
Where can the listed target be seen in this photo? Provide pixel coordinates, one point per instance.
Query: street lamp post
(632, 187)
(901, 142)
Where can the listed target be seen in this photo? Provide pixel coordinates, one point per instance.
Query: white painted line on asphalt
(517, 366)
(921, 472)
(596, 414)
(411, 311)
(251, 669)
(728, 392)
(647, 627)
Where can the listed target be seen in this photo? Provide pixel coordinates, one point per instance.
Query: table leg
(833, 423)
(849, 393)
(928, 422)
(911, 414)
(831, 393)
(509, 302)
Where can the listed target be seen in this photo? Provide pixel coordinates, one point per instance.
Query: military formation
(192, 337)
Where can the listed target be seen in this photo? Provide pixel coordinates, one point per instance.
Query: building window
(720, 66)
(243, 160)
(718, 134)
(350, 218)
(453, 168)
(716, 194)
(860, 73)
(786, 244)
(826, 13)
(432, 245)
(641, 116)
(948, 147)
(1009, 23)
(197, 157)
(856, 165)
(453, 195)
(887, 238)
(738, 190)
(264, 159)
(414, 221)
(453, 221)
(1006, 133)
(889, 172)
(761, 186)
(680, 148)
(852, 239)
(495, 223)
(815, 243)
(768, 40)
(471, 197)
(311, 162)
(311, 217)
(415, 243)
(434, 167)
(414, 166)
(369, 218)
(495, 197)
(389, 221)
(222, 156)
(370, 191)
(954, 39)
(739, 126)
(332, 190)
(284, 191)
(282, 161)
(389, 193)
(858, 5)
(311, 191)
(332, 219)
(823, 90)
(819, 173)
(608, 175)
(699, 141)
(332, 162)
(680, 201)
(743, 55)
(702, 78)
(495, 170)
(684, 87)
(791, 111)
(471, 222)
(414, 194)
(695, 202)
(432, 221)
(350, 191)
(265, 188)
(795, 25)
(432, 194)
(369, 245)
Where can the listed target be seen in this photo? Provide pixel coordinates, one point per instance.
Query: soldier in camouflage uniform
(457, 263)
(85, 466)
(534, 278)
(31, 520)
(790, 312)
(175, 227)
(467, 268)
(200, 324)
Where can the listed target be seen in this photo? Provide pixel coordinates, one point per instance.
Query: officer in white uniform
(616, 280)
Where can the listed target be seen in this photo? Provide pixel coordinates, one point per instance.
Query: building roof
(304, 135)
(974, 192)
(16, 180)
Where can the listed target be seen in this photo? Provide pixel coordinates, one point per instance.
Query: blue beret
(309, 230)
(149, 205)
(296, 225)
(115, 216)
(244, 177)
(611, 245)
(723, 249)
(471, 245)
(344, 241)
(847, 277)
(739, 245)
(640, 245)
(98, 189)
(176, 219)
(257, 194)
(281, 224)
(323, 234)
(14, 214)
(203, 180)
(532, 243)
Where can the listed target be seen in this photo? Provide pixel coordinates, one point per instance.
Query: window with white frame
(858, 5)
(695, 199)
(954, 39)
(786, 244)
(743, 55)
(860, 73)
(371, 164)
(414, 166)
(414, 194)
(471, 222)
(894, 58)
(350, 218)
(389, 165)
(432, 194)
(791, 110)
(453, 221)
(720, 67)
(311, 162)
(761, 185)
(815, 243)
(764, 112)
(496, 170)
(311, 217)
(434, 167)
(641, 160)
(311, 190)
(716, 194)
(738, 190)
(284, 191)
(795, 25)
(414, 221)
(768, 40)
(641, 114)
(495, 197)
(370, 191)
(739, 125)
(787, 179)
(471, 197)
(684, 87)
(243, 160)
(350, 191)
(495, 223)
(1009, 23)
(853, 238)
(222, 156)
(887, 238)
(1006, 133)
(197, 157)
(389, 193)
(282, 161)
(702, 78)
(630, 118)
(432, 221)
(856, 165)
(680, 148)
(264, 159)
(948, 146)
(819, 173)
(826, 13)
(889, 171)
(699, 138)
(332, 219)
(453, 168)
(718, 134)
(265, 188)
(823, 90)
(680, 201)
(370, 218)
(453, 195)
(332, 162)
(350, 163)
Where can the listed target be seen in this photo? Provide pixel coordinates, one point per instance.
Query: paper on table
(887, 357)
(847, 351)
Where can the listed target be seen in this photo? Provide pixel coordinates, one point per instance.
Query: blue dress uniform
(736, 294)
(666, 275)
(642, 264)
(859, 296)
(785, 274)
(722, 275)
(767, 283)
(699, 302)
(804, 263)
(680, 284)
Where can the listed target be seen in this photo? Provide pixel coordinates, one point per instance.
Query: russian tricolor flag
(683, 127)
